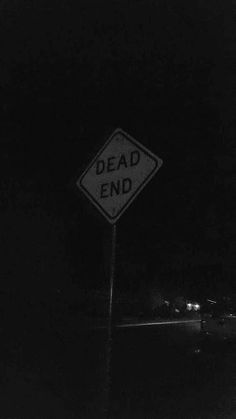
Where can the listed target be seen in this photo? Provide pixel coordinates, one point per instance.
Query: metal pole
(112, 277)
(110, 324)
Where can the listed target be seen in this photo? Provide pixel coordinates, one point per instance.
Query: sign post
(110, 323)
(112, 275)
(117, 174)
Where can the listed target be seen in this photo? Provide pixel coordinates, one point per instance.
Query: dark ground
(157, 372)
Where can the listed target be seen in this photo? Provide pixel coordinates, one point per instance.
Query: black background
(72, 72)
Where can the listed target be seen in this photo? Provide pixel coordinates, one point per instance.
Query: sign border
(158, 161)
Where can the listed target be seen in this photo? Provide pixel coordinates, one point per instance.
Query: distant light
(189, 306)
(196, 306)
(211, 301)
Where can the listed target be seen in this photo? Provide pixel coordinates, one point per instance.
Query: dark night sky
(71, 72)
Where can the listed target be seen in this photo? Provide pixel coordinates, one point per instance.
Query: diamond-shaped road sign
(117, 174)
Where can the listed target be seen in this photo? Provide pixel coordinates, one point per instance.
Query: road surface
(158, 371)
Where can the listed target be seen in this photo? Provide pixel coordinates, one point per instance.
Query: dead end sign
(117, 174)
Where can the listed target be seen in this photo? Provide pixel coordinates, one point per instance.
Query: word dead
(114, 164)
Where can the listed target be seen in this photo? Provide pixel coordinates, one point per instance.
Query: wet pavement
(157, 372)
